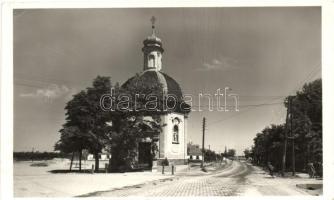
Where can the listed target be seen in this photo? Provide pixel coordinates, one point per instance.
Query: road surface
(238, 179)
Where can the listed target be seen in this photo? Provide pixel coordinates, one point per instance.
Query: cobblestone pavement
(228, 182)
(236, 179)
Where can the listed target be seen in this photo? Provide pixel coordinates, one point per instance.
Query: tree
(86, 121)
(132, 122)
(248, 153)
(73, 137)
(124, 144)
(97, 117)
(268, 146)
(305, 126)
(231, 153)
(209, 155)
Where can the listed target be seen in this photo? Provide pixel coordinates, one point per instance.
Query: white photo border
(6, 124)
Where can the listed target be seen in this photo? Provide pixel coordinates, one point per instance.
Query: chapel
(172, 140)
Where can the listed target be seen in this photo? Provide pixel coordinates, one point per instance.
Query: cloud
(218, 64)
(50, 92)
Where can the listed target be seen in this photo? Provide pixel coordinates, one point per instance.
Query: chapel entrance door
(144, 154)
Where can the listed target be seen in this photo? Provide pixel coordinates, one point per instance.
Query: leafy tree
(86, 121)
(133, 121)
(209, 155)
(73, 136)
(132, 130)
(96, 118)
(304, 125)
(248, 153)
(268, 146)
(231, 153)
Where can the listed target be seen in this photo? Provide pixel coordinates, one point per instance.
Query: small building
(194, 153)
(240, 157)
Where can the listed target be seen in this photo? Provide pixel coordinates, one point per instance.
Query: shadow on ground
(86, 171)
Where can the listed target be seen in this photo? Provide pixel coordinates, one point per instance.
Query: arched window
(151, 61)
(176, 134)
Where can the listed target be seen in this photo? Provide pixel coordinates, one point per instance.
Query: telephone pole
(202, 164)
(285, 140)
(293, 142)
(32, 154)
(286, 137)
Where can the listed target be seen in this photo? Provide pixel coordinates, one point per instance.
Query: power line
(314, 70)
(245, 105)
(227, 118)
(45, 82)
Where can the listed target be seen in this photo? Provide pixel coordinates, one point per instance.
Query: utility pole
(293, 142)
(32, 154)
(285, 139)
(202, 164)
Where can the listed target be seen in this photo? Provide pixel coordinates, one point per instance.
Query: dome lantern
(152, 73)
(152, 50)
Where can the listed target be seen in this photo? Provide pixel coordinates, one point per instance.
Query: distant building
(240, 157)
(194, 153)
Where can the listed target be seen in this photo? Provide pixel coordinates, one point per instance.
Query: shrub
(165, 162)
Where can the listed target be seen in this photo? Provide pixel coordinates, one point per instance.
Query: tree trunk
(80, 157)
(96, 155)
(72, 161)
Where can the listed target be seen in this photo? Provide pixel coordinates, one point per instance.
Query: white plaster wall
(194, 157)
(170, 150)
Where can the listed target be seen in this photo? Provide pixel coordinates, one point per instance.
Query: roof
(152, 42)
(150, 77)
(194, 150)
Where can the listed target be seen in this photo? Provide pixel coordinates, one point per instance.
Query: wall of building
(168, 148)
(101, 157)
(152, 64)
(194, 157)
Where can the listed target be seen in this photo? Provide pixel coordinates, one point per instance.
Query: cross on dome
(153, 19)
(152, 50)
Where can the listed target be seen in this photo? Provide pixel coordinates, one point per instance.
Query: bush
(24, 156)
(165, 162)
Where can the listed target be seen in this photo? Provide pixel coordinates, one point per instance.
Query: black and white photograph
(167, 102)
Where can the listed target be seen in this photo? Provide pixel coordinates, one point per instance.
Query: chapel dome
(152, 39)
(151, 77)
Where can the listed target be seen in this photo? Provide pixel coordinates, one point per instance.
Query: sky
(263, 54)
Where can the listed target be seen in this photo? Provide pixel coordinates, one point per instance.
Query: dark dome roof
(150, 77)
